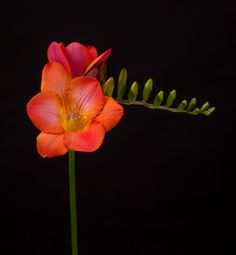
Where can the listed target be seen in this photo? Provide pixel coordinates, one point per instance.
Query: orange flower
(72, 114)
(76, 58)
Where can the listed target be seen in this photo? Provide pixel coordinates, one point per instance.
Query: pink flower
(77, 59)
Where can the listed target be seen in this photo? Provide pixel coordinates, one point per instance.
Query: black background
(162, 183)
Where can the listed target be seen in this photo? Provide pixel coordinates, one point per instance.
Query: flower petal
(44, 110)
(110, 114)
(93, 73)
(51, 145)
(55, 78)
(102, 58)
(79, 58)
(86, 95)
(93, 51)
(87, 140)
(56, 53)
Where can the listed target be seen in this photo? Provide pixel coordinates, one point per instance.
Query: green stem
(73, 214)
(152, 106)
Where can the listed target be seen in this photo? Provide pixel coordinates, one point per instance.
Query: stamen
(75, 115)
(75, 120)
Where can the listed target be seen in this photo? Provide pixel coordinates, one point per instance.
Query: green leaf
(204, 107)
(147, 90)
(108, 87)
(182, 105)
(171, 98)
(133, 92)
(159, 98)
(192, 104)
(122, 83)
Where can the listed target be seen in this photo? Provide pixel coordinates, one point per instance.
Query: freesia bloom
(72, 114)
(76, 58)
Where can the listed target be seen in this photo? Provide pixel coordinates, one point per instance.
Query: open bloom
(73, 114)
(76, 58)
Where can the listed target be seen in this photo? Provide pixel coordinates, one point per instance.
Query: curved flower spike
(71, 114)
(76, 58)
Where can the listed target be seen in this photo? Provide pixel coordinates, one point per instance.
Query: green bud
(159, 98)
(103, 72)
(133, 92)
(122, 83)
(182, 105)
(192, 104)
(93, 73)
(209, 111)
(171, 98)
(196, 111)
(108, 87)
(204, 107)
(147, 90)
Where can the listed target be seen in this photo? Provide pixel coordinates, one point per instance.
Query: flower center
(74, 115)
(74, 120)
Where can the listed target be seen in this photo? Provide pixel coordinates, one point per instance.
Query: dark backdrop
(162, 183)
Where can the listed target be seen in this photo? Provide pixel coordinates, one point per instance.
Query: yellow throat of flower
(74, 120)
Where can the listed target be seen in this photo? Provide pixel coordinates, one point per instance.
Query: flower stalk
(73, 211)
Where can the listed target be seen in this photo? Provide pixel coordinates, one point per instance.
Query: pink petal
(87, 140)
(93, 51)
(55, 78)
(102, 58)
(51, 145)
(110, 114)
(56, 53)
(79, 58)
(93, 73)
(44, 110)
(86, 95)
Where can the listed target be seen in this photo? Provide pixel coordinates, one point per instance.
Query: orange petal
(93, 51)
(56, 53)
(86, 94)
(44, 110)
(110, 114)
(102, 58)
(87, 140)
(55, 78)
(50, 145)
(79, 58)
